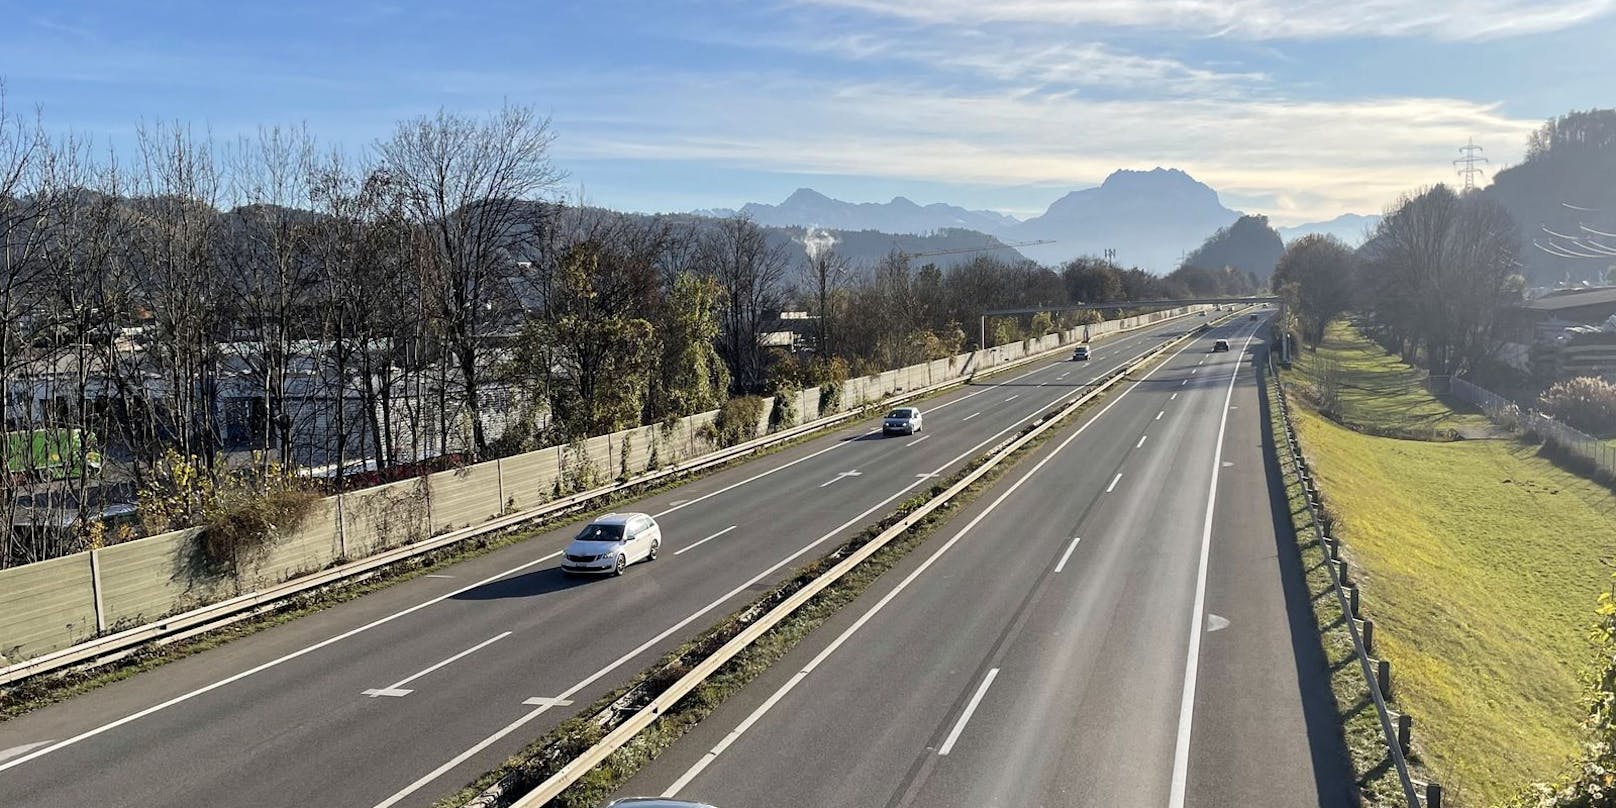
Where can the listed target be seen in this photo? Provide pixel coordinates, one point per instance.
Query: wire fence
(1502, 411)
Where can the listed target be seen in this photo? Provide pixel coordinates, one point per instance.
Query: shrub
(737, 421)
(830, 397)
(784, 413)
(1586, 402)
(239, 510)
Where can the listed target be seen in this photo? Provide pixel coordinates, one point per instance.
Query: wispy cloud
(1259, 19)
(1301, 160)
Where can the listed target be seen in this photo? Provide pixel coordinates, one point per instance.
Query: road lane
(569, 639)
(1089, 663)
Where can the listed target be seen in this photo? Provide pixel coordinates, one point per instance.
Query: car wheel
(622, 562)
(655, 546)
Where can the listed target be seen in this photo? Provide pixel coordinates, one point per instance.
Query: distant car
(902, 421)
(1220, 345)
(1080, 353)
(1203, 314)
(611, 543)
(1253, 317)
(654, 802)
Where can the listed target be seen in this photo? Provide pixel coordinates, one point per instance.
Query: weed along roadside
(29, 693)
(1478, 563)
(586, 758)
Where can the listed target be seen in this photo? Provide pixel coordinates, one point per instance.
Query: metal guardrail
(1395, 728)
(579, 766)
(112, 647)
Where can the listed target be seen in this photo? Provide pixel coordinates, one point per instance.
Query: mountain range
(1151, 218)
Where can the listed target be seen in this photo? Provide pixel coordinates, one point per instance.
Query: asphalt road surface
(1120, 621)
(406, 694)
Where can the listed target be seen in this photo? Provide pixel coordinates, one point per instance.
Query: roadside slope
(1481, 564)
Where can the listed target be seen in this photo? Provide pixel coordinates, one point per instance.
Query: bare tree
(471, 186)
(738, 254)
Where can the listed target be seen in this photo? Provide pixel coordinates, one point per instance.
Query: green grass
(1377, 778)
(1356, 383)
(1481, 564)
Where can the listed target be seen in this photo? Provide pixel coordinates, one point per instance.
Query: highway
(405, 694)
(1120, 621)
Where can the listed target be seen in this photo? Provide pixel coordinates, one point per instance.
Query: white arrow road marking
(542, 701)
(838, 478)
(704, 541)
(396, 689)
(7, 754)
(676, 503)
(917, 440)
(1215, 622)
(1227, 464)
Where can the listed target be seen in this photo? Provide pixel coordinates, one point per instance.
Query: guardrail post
(1433, 795)
(95, 591)
(1352, 598)
(1341, 571)
(1405, 731)
(1383, 677)
(1366, 631)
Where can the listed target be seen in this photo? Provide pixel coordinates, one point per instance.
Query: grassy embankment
(1480, 564)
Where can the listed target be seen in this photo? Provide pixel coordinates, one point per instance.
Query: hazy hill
(1248, 245)
(1565, 186)
(809, 208)
(1351, 228)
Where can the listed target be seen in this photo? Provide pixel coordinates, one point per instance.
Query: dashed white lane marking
(1113, 485)
(965, 717)
(704, 541)
(1066, 556)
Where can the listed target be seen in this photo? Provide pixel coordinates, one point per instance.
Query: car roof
(615, 518)
(656, 802)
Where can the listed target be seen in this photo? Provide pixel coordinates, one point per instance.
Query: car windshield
(596, 532)
(901, 414)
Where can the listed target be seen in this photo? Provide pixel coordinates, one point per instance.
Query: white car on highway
(612, 542)
(902, 421)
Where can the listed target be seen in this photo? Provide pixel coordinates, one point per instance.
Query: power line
(1470, 171)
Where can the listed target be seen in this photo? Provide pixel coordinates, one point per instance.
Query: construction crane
(991, 248)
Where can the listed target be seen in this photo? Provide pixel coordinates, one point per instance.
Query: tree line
(269, 301)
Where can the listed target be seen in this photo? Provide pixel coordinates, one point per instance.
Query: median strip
(566, 761)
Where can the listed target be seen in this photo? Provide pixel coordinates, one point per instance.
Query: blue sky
(1301, 110)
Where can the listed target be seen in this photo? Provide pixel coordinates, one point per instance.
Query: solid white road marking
(397, 690)
(1113, 485)
(916, 440)
(523, 720)
(841, 639)
(512, 727)
(1060, 565)
(704, 541)
(309, 649)
(542, 701)
(1192, 664)
(1216, 623)
(681, 504)
(959, 727)
(969, 417)
(843, 475)
(437, 576)
(14, 751)
(1141, 441)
